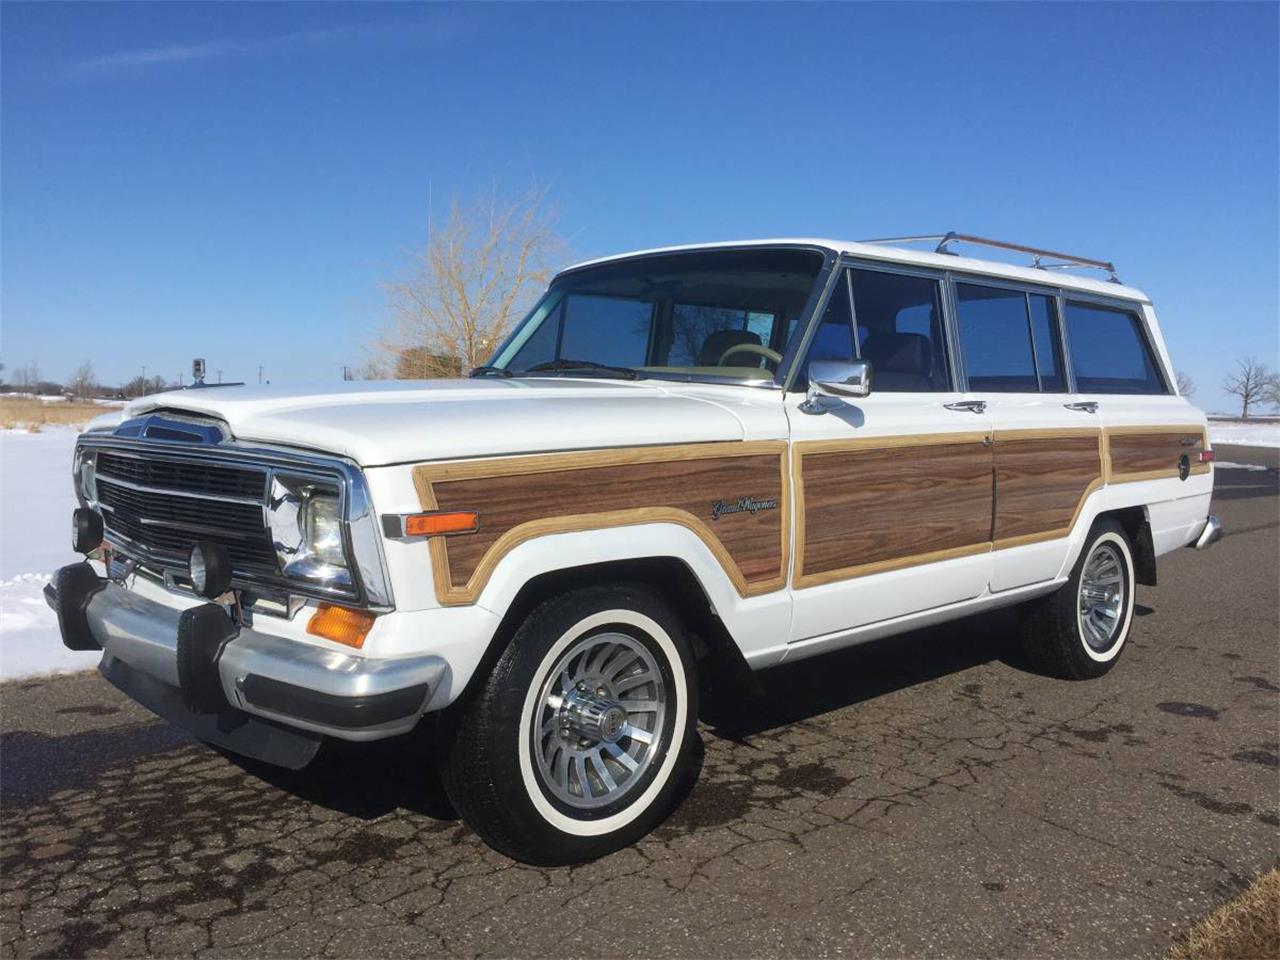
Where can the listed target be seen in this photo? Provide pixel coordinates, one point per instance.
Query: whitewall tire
(581, 739)
(1079, 631)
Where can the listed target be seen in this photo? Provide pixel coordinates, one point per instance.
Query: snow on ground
(36, 500)
(1259, 434)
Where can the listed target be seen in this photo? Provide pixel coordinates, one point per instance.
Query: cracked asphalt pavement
(924, 795)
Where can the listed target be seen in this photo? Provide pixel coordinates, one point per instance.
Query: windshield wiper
(568, 366)
(485, 370)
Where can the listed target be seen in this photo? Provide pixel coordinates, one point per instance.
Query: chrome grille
(188, 477)
(164, 506)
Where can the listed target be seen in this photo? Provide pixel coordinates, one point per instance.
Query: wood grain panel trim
(861, 517)
(1043, 478)
(461, 569)
(1151, 452)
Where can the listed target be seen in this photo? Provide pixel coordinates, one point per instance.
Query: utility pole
(181, 382)
(259, 374)
(144, 379)
(219, 376)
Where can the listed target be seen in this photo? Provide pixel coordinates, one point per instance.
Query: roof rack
(1063, 261)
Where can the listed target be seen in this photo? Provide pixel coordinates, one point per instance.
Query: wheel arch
(1137, 527)
(669, 575)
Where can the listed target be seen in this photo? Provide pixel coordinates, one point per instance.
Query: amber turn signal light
(435, 524)
(341, 624)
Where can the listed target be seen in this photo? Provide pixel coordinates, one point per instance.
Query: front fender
(759, 625)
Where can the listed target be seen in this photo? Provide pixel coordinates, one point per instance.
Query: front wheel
(1079, 631)
(582, 738)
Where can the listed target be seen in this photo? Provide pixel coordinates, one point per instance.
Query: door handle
(1084, 406)
(968, 406)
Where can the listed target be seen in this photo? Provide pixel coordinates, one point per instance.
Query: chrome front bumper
(1211, 533)
(286, 682)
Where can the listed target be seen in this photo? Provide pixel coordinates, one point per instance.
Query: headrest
(899, 353)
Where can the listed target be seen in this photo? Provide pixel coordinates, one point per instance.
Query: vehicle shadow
(792, 692)
(370, 780)
(367, 780)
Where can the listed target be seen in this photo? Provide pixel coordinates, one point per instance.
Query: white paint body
(388, 427)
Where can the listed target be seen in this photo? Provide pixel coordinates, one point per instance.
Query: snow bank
(1245, 434)
(36, 500)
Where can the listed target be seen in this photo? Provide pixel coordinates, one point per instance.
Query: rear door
(892, 491)
(1048, 446)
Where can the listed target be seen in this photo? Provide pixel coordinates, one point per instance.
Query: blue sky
(237, 180)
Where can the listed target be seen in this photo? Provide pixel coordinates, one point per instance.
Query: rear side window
(995, 339)
(1009, 340)
(1048, 346)
(1109, 351)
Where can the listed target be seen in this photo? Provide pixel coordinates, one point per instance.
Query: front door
(893, 492)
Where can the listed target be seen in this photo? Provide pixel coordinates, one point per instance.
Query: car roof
(887, 253)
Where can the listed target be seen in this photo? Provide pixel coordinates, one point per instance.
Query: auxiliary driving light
(210, 569)
(86, 530)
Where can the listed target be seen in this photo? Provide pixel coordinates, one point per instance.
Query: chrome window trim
(845, 262)
(361, 534)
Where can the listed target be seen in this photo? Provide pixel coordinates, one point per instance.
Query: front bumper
(211, 668)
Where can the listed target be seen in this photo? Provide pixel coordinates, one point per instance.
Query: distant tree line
(81, 385)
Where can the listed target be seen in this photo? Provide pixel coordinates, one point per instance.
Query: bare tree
(26, 378)
(1186, 386)
(469, 284)
(82, 384)
(1271, 391)
(1252, 382)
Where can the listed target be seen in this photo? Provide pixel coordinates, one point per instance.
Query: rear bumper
(1211, 533)
(212, 667)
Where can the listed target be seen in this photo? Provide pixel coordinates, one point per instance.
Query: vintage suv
(762, 451)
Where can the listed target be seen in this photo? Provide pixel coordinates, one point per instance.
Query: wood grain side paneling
(1152, 453)
(876, 505)
(1042, 480)
(520, 498)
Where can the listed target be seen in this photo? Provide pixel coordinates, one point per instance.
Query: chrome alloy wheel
(1102, 597)
(599, 720)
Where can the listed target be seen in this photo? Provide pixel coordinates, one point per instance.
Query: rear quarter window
(1110, 352)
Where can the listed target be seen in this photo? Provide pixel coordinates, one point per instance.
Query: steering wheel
(771, 355)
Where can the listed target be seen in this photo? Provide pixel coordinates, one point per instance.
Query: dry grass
(33, 414)
(1244, 928)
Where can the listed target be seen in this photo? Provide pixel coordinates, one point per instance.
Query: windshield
(721, 313)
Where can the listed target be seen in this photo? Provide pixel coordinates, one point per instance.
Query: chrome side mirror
(836, 378)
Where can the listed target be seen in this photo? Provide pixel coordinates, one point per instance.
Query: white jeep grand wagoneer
(767, 450)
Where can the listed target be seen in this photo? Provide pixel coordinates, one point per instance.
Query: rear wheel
(581, 739)
(1079, 631)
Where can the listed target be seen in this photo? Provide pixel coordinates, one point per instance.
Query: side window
(1044, 336)
(1109, 351)
(995, 339)
(834, 337)
(899, 322)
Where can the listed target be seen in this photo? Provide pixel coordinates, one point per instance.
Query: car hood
(385, 422)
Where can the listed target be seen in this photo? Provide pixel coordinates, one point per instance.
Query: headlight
(305, 516)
